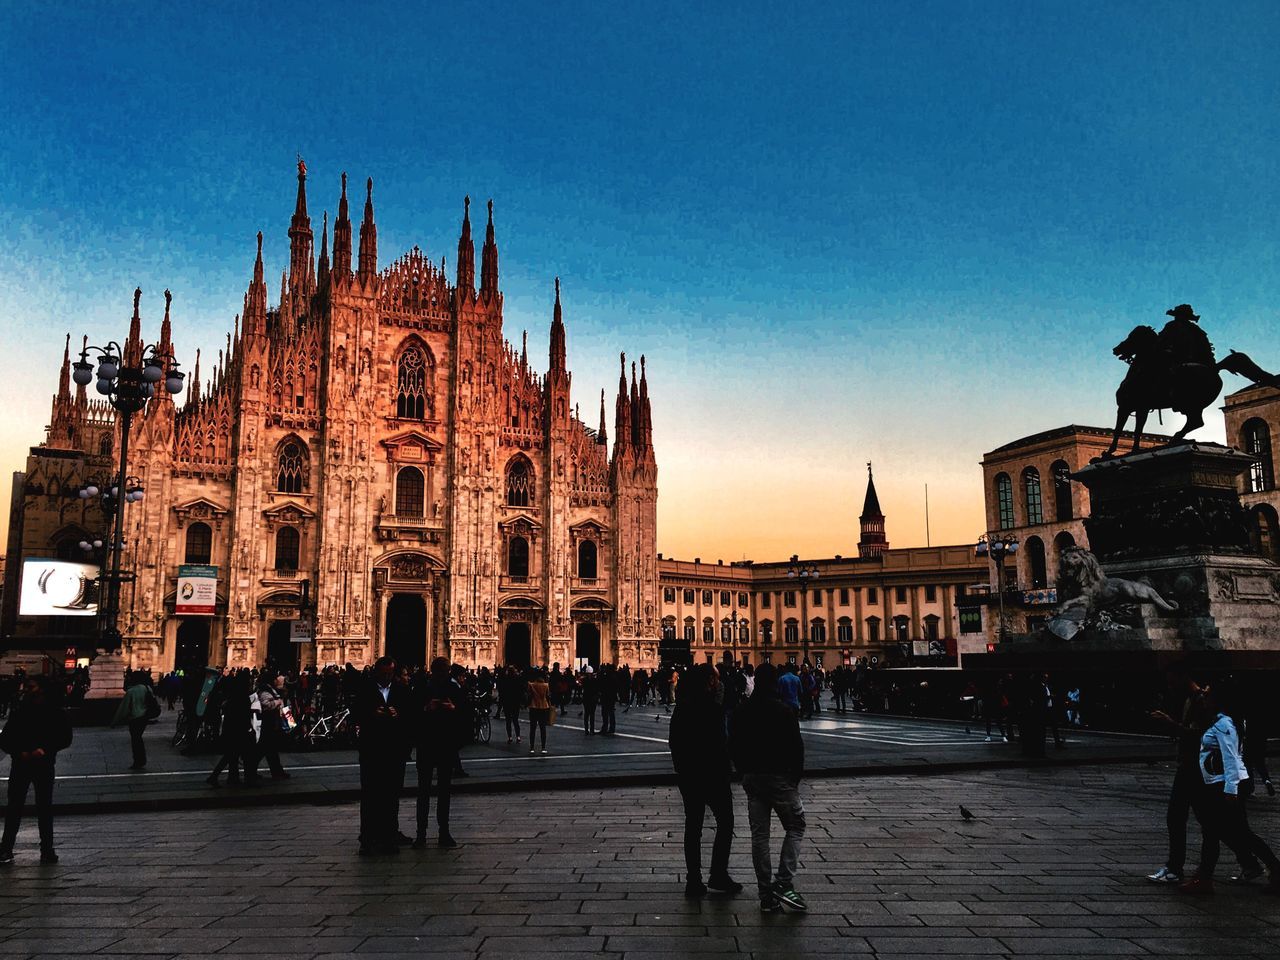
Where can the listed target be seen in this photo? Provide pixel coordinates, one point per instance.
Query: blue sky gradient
(900, 232)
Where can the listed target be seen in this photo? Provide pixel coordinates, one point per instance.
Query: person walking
(37, 729)
(1220, 808)
(438, 713)
(238, 746)
(789, 688)
(510, 697)
(768, 752)
(539, 710)
(1186, 731)
(271, 704)
(137, 708)
(700, 755)
(382, 710)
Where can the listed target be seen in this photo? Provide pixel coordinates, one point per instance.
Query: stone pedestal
(1171, 517)
(106, 676)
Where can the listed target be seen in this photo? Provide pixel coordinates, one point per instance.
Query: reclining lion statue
(1088, 592)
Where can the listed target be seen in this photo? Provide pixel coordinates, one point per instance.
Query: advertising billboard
(58, 588)
(197, 590)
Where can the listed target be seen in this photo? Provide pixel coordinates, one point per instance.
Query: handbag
(551, 717)
(152, 706)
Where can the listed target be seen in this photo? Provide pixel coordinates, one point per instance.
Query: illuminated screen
(58, 588)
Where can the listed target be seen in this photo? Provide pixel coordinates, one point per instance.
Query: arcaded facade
(373, 457)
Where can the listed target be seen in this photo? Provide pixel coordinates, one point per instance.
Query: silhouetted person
(135, 708)
(768, 752)
(700, 755)
(438, 713)
(238, 746)
(608, 690)
(37, 729)
(382, 710)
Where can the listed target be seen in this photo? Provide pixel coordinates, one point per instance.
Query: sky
(899, 232)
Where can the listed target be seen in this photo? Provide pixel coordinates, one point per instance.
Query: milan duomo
(372, 455)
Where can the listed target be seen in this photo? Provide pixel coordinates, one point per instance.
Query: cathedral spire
(872, 542)
(489, 261)
(82, 398)
(602, 435)
(466, 251)
(524, 349)
(193, 391)
(301, 265)
(368, 237)
(255, 302)
(557, 335)
(622, 415)
(322, 274)
(133, 345)
(342, 237)
(645, 415)
(164, 350)
(64, 377)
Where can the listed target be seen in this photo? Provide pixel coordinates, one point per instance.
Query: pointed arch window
(1036, 565)
(410, 492)
(587, 557)
(1257, 443)
(1034, 500)
(291, 467)
(413, 384)
(1004, 501)
(199, 543)
(519, 483)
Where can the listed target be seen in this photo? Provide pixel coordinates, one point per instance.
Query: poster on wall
(59, 588)
(197, 590)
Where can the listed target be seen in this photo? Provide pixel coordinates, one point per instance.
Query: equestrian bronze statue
(1175, 370)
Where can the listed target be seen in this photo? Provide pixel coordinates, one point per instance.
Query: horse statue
(1089, 593)
(1174, 370)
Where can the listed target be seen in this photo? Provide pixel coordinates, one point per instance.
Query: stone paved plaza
(1052, 866)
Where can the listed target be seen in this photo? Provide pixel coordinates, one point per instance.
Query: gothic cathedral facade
(373, 458)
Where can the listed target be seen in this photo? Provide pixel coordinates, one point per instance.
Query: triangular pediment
(289, 511)
(521, 522)
(589, 527)
(201, 508)
(411, 445)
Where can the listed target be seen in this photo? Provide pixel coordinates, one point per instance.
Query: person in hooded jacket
(37, 729)
(700, 755)
(769, 753)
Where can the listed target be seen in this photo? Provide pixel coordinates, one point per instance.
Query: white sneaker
(988, 740)
(1165, 875)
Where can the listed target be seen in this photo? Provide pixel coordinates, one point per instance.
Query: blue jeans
(768, 794)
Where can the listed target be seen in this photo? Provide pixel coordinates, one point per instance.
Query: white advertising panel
(58, 588)
(197, 590)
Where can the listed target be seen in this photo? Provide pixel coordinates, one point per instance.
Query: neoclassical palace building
(370, 457)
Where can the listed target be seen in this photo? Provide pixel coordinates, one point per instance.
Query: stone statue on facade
(1174, 369)
(1091, 599)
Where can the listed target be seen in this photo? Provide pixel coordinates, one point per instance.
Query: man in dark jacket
(700, 755)
(608, 691)
(36, 731)
(382, 709)
(768, 752)
(439, 713)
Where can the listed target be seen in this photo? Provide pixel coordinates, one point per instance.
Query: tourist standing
(383, 708)
(137, 707)
(700, 755)
(36, 730)
(608, 693)
(539, 710)
(590, 697)
(510, 697)
(238, 746)
(439, 711)
(768, 752)
(789, 688)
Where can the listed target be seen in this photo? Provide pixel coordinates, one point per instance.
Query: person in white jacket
(1220, 807)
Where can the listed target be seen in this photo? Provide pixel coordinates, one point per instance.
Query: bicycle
(483, 725)
(331, 728)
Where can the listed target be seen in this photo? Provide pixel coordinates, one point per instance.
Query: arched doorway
(587, 646)
(517, 646)
(191, 650)
(405, 630)
(1263, 532)
(281, 650)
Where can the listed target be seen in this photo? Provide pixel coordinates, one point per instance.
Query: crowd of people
(724, 718)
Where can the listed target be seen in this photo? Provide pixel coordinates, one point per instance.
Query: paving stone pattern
(1052, 866)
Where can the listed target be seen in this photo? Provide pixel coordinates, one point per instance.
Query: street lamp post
(997, 547)
(734, 620)
(128, 378)
(803, 574)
